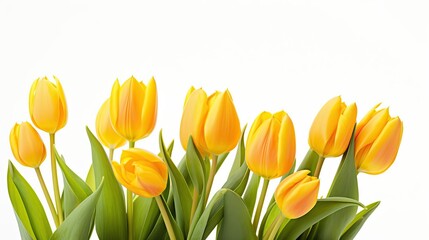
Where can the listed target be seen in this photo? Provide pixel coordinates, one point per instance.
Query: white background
(271, 55)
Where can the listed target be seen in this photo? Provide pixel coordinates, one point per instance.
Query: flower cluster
(165, 200)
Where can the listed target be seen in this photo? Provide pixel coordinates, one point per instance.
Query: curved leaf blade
(354, 227)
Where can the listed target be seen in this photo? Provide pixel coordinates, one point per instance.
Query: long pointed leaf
(357, 223)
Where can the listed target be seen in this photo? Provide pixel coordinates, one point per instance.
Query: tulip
(378, 137)
(141, 172)
(27, 145)
(105, 131)
(297, 194)
(270, 150)
(48, 108)
(332, 128)
(133, 108)
(211, 121)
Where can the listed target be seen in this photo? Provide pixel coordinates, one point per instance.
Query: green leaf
(220, 159)
(323, 208)
(239, 156)
(236, 223)
(75, 189)
(345, 184)
(251, 193)
(80, 222)
(145, 214)
(90, 178)
(182, 196)
(272, 212)
(110, 217)
(194, 163)
(354, 227)
(177, 232)
(310, 161)
(31, 217)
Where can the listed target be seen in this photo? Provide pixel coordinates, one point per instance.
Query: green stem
(211, 178)
(164, 215)
(194, 204)
(131, 144)
(111, 151)
(130, 214)
(276, 227)
(319, 166)
(47, 196)
(55, 179)
(260, 204)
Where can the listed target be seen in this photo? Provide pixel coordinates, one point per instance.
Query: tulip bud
(297, 194)
(27, 146)
(105, 131)
(141, 172)
(332, 128)
(378, 137)
(47, 105)
(270, 150)
(133, 108)
(212, 122)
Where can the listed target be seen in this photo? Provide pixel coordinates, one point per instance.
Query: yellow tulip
(105, 131)
(211, 121)
(47, 104)
(27, 146)
(297, 194)
(141, 172)
(377, 137)
(270, 150)
(332, 128)
(133, 108)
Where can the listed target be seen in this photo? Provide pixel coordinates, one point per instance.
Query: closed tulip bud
(270, 150)
(47, 105)
(211, 121)
(133, 108)
(105, 131)
(27, 146)
(297, 194)
(377, 138)
(332, 128)
(141, 172)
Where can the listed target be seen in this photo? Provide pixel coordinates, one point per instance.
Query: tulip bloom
(141, 172)
(105, 131)
(27, 146)
(270, 150)
(378, 137)
(297, 194)
(133, 108)
(332, 128)
(47, 105)
(211, 121)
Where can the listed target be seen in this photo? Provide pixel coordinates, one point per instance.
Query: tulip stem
(47, 196)
(130, 214)
(278, 222)
(194, 204)
(211, 177)
(319, 166)
(165, 217)
(111, 151)
(55, 179)
(260, 204)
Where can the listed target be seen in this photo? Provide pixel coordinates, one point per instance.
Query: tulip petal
(150, 107)
(287, 146)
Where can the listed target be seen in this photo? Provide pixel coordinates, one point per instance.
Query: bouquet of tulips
(145, 195)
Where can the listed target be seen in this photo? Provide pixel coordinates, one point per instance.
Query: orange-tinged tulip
(270, 150)
(378, 137)
(332, 128)
(211, 121)
(105, 131)
(133, 108)
(27, 146)
(47, 105)
(141, 172)
(297, 194)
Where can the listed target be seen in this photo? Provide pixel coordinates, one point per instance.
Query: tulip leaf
(272, 212)
(251, 193)
(155, 235)
(110, 217)
(181, 194)
(239, 156)
(75, 189)
(146, 212)
(238, 181)
(309, 162)
(345, 184)
(30, 214)
(353, 228)
(220, 159)
(79, 224)
(90, 178)
(194, 163)
(236, 223)
(323, 208)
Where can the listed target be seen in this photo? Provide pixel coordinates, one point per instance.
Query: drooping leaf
(79, 224)
(31, 217)
(110, 217)
(251, 193)
(354, 227)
